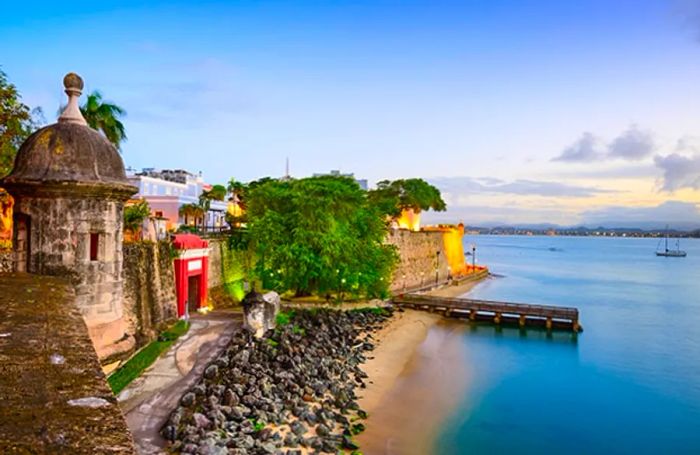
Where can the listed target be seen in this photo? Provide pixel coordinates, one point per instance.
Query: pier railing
(548, 315)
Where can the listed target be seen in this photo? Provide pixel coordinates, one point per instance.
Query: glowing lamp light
(409, 220)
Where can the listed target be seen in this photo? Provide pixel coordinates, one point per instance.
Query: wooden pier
(523, 314)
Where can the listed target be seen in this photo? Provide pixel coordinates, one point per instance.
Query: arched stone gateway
(69, 187)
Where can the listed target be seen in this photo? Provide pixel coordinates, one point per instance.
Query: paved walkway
(148, 401)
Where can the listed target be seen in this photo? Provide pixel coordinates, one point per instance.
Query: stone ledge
(53, 395)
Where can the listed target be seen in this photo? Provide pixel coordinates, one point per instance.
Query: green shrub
(284, 317)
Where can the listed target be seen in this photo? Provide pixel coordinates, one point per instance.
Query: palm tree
(238, 191)
(104, 116)
(191, 210)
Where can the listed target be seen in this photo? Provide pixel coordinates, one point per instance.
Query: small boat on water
(669, 253)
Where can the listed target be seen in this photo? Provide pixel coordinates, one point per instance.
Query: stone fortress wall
(6, 261)
(150, 301)
(215, 278)
(149, 289)
(420, 254)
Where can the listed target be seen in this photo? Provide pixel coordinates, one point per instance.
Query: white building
(168, 190)
(337, 173)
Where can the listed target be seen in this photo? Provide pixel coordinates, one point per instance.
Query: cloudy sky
(521, 111)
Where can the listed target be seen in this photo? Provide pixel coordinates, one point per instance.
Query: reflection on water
(523, 334)
(435, 383)
(630, 383)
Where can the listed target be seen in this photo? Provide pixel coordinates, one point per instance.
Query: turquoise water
(630, 383)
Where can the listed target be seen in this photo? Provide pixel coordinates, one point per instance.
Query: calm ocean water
(630, 383)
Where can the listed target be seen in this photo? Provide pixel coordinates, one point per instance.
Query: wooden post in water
(472, 315)
(521, 320)
(549, 323)
(497, 318)
(575, 325)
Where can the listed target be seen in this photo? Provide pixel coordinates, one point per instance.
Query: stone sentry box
(69, 186)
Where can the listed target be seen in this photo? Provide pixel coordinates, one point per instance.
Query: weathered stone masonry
(6, 263)
(420, 254)
(149, 289)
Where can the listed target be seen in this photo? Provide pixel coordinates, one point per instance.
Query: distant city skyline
(520, 112)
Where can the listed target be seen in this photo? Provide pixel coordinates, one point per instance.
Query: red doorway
(191, 273)
(193, 298)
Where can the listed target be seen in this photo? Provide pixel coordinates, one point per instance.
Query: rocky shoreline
(290, 392)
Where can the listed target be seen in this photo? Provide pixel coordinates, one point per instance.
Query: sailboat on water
(669, 253)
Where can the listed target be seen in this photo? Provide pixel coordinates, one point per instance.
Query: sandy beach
(415, 373)
(396, 345)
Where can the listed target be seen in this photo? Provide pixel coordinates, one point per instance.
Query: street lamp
(437, 267)
(473, 257)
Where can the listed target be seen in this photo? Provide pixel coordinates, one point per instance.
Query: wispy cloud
(633, 144)
(510, 214)
(585, 149)
(469, 185)
(678, 214)
(679, 171)
(688, 144)
(689, 10)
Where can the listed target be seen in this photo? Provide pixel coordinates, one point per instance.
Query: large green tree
(17, 122)
(105, 117)
(392, 197)
(319, 234)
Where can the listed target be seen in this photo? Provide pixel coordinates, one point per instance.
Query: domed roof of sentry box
(69, 155)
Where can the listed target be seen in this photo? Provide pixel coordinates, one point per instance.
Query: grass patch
(284, 317)
(176, 331)
(133, 368)
(257, 425)
(372, 310)
(298, 330)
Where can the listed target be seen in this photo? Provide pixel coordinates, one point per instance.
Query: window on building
(159, 214)
(94, 245)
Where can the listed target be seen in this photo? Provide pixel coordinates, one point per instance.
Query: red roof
(189, 242)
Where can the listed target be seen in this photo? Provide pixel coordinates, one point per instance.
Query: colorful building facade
(168, 190)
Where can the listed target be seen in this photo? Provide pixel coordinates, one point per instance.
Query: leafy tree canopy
(319, 234)
(391, 198)
(17, 122)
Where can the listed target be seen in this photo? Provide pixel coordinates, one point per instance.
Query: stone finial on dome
(74, 87)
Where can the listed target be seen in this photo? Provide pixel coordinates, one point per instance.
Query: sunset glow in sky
(520, 111)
